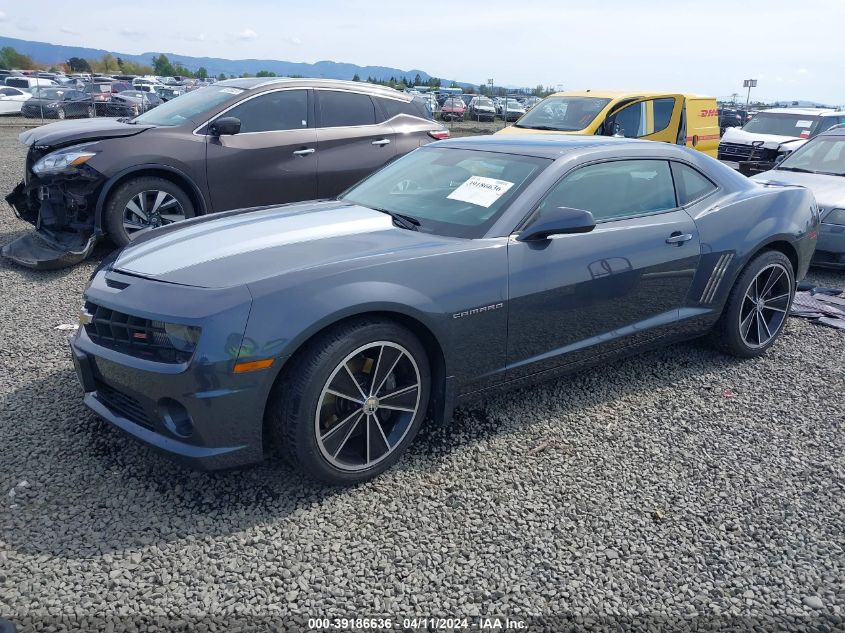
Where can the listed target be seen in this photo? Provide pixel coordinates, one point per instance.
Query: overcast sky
(793, 47)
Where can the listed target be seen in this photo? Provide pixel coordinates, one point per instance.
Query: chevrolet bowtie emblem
(85, 317)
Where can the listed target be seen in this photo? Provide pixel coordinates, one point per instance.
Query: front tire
(351, 403)
(142, 203)
(757, 307)
(60, 113)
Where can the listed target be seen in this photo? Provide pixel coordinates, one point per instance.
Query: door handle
(304, 152)
(383, 141)
(677, 238)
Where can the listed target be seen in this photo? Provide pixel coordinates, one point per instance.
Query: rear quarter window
(691, 184)
(394, 107)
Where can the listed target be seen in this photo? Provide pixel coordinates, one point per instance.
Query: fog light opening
(175, 417)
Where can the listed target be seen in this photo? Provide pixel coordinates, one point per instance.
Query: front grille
(132, 335)
(122, 404)
(736, 151)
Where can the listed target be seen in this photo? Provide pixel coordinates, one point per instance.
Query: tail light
(438, 134)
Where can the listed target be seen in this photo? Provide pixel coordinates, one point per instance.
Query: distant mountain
(45, 53)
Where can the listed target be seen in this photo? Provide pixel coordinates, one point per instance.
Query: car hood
(78, 130)
(244, 246)
(828, 190)
(770, 141)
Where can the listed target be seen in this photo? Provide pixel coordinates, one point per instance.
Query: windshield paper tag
(481, 191)
(803, 123)
(232, 91)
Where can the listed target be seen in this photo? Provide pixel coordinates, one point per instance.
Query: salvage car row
(406, 276)
(60, 96)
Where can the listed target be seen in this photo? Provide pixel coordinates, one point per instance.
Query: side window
(339, 109)
(8, 92)
(690, 183)
(273, 111)
(392, 107)
(644, 118)
(616, 189)
(662, 113)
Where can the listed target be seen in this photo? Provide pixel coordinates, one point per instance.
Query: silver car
(819, 165)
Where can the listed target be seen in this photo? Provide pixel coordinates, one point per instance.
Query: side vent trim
(716, 278)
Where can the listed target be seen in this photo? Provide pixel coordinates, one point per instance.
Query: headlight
(835, 216)
(63, 160)
(182, 337)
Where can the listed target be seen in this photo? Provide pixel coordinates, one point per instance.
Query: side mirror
(559, 221)
(225, 126)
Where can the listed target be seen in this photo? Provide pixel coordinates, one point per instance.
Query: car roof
(802, 111)
(250, 83)
(540, 145)
(624, 94)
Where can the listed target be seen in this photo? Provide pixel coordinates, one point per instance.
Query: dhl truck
(684, 119)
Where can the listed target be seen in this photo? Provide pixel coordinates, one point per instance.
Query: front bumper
(198, 413)
(62, 207)
(33, 112)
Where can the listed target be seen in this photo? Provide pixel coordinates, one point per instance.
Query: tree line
(161, 66)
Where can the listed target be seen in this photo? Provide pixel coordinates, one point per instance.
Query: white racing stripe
(245, 233)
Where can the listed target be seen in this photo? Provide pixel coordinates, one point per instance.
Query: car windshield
(187, 106)
(822, 155)
(566, 114)
(451, 192)
(98, 88)
(50, 93)
(782, 124)
(484, 102)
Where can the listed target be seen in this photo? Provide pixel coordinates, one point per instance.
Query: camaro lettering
(494, 306)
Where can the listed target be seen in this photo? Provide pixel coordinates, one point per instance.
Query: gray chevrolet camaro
(332, 329)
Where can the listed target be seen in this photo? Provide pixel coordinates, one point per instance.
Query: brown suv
(235, 144)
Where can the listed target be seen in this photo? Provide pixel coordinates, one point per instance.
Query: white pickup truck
(772, 134)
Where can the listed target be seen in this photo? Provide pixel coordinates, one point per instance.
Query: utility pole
(748, 83)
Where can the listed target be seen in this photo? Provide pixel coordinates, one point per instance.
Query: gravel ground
(681, 484)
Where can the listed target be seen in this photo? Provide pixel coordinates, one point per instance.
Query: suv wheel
(350, 405)
(91, 112)
(757, 307)
(142, 203)
(61, 113)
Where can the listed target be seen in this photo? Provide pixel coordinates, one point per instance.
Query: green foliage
(264, 73)
(356, 77)
(163, 67)
(11, 59)
(78, 65)
(201, 73)
(221, 77)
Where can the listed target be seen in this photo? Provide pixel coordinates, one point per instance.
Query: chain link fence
(38, 101)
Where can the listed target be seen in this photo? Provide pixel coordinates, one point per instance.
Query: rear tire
(142, 194)
(344, 440)
(757, 307)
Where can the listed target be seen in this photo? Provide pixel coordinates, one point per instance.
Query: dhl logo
(708, 112)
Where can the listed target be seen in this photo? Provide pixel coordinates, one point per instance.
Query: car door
(352, 140)
(272, 159)
(11, 100)
(658, 118)
(574, 296)
(77, 103)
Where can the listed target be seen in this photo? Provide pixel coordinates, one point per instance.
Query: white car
(774, 133)
(11, 99)
(28, 83)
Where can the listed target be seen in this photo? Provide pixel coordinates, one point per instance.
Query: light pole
(748, 83)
